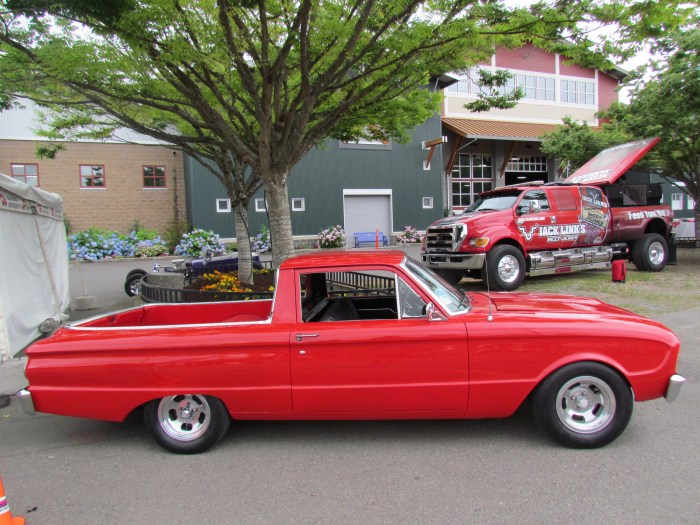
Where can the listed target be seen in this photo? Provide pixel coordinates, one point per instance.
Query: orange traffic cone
(5, 514)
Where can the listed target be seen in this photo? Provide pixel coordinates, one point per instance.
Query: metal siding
(322, 175)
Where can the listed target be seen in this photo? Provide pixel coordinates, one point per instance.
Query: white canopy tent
(33, 264)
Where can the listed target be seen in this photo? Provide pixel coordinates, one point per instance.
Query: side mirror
(534, 206)
(433, 314)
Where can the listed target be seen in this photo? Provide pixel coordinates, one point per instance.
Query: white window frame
(223, 209)
(691, 203)
(260, 205)
(427, 203)
(298, 204)
(676, 201)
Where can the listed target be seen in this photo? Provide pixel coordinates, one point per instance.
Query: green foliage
(174, 233)
(574, 143)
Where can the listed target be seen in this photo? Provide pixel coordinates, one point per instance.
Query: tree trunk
(277, 196)
(245, 260)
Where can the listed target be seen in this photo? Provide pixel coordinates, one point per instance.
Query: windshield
(497, 201)
(453, 300)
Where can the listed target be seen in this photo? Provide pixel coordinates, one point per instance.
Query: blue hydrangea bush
(194, 242)
(94, 244)
(261, 243)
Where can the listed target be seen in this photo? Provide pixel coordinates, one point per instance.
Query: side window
(410, 303)
(349, 296)
(537, 195)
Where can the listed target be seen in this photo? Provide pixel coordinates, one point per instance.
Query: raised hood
(611, 163)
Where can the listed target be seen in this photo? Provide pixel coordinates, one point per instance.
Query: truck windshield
(454, 301)
(497, 201)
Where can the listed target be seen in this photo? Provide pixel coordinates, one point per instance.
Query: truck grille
(445, 238)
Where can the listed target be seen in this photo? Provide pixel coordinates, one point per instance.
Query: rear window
(564, 198)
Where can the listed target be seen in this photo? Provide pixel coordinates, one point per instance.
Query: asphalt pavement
(59, 470)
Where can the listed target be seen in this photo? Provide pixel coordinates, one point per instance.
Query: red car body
(265, 360)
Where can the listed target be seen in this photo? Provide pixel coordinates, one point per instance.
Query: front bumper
(674, 387)
(454, 261)
(24, 397)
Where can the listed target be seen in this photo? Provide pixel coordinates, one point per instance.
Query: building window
(27, 173)
(298, 204)
(578, 92)
(223, 205)
(471, 175)
(527, 164)
(677, 201)
(92, 176)
(260, 205)
(427, 203)
(154, 176)
(691, 203)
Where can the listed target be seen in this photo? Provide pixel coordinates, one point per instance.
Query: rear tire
(583, 405)
(187, 423)
(505, 268)
(650, 253)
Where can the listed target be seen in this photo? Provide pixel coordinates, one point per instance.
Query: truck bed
(182, 314)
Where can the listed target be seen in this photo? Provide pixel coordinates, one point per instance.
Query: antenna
(488, 287)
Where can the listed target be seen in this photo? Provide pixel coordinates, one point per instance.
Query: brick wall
(123, 199)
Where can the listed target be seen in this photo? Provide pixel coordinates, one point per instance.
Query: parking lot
(59, 470)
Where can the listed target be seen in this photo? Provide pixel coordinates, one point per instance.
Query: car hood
(471, 216)
(541, 302)
(610, 164)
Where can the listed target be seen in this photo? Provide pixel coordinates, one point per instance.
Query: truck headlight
(478, 242)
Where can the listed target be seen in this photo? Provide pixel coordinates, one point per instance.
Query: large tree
(265, 81)
(664, 102)
(667, 105)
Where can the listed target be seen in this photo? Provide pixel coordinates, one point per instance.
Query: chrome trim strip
(674, 387)
(24, 397)
(467, 261)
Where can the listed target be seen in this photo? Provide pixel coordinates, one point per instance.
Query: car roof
(344, 257)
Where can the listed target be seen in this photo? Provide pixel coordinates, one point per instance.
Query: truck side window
(564, 199)
(537, 195)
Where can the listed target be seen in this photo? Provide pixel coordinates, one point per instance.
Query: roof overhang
(498, 130)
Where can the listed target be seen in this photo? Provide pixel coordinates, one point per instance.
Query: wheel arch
(611, 364)
(657, 226)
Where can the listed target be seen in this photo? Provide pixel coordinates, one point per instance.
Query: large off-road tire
(583, 405)
(650, 253)
(505, 268)
(132, 285)
(187, 423)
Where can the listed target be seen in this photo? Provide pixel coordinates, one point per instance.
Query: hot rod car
(357, 335)
(191, 269)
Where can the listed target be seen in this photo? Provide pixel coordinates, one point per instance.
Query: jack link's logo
(528, 233)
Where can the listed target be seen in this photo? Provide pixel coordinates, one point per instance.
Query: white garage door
(366, 213)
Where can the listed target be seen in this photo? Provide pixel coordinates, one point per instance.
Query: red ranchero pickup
(357, 335)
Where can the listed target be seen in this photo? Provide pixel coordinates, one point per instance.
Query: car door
(406, 366)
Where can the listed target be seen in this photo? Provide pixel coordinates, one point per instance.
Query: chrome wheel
(508, 269)
(657, 253)
(184, 417)
(135, 287)
(585, 404)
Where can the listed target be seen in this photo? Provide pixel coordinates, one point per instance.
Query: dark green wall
(322, 175)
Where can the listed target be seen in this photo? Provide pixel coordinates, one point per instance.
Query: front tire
(583, 405)
(650, 253)
(132, 285)
(505, 268)
(187, 423)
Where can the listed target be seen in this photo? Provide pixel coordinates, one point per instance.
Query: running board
(570, 269)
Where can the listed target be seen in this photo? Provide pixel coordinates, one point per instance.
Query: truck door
(367, 350)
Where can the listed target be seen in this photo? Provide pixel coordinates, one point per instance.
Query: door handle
(300, 337)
